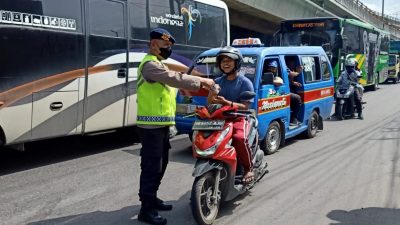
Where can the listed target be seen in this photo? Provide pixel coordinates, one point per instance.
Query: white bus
(69, 67)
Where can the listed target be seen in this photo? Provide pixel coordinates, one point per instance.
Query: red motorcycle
(218, 177)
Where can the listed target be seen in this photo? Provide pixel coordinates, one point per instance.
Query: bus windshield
(324, 38)
(392, 60)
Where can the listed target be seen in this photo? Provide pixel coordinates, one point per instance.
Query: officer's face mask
(165, 52)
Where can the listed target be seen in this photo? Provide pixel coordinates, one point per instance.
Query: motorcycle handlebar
(245, 111)
(237, 114)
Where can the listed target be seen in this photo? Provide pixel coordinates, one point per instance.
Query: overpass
(265, 16)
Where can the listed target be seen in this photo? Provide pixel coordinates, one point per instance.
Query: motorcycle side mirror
(247, 95)
(190, 69)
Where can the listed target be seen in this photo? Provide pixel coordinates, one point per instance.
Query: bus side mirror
(327, 47)
(276, 39)
(338, 42)
(267, 78)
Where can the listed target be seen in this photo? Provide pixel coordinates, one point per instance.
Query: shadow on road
(181, 214)
(366, 216)
(42, 153)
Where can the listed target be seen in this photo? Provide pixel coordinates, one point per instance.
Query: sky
(392, 7)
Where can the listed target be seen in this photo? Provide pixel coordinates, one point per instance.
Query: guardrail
(389, 23)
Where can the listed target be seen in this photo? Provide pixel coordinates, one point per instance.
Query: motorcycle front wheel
(339, 110)
(204, 206)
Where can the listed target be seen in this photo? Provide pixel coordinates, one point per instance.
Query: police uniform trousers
(154, 160)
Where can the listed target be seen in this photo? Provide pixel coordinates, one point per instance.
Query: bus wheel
(272, 140)
(312, 127)
(375, 86)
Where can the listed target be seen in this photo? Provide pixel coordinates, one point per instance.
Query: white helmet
(350, 62)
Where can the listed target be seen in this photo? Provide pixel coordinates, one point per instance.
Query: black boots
(151, 216)
(360, 116)
(162, 206)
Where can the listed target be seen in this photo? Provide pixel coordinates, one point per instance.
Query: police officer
(156, 95)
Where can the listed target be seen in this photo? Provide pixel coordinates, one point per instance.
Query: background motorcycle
(344, 101)
(217, 174)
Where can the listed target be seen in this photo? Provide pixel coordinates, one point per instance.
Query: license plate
(208, 125)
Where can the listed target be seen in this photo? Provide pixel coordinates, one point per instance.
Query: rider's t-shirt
(231, 89)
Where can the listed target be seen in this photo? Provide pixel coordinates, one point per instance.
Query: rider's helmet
(232, 53)
(350, 64)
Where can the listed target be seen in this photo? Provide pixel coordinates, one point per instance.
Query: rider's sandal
(249, 178)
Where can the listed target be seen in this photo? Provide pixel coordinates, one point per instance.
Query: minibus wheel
(312, 126)
(270, 144)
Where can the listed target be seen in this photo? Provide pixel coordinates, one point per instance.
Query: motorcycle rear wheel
(204, 207)
(339, 112)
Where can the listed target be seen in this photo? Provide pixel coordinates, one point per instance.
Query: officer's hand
(207, 83)
(215, 89)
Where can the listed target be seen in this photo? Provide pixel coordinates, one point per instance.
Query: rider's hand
(221, 100)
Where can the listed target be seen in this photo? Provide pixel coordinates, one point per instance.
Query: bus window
(107, 18)
(351, 38)
(310, 69)
(326, 75)
(208, 26)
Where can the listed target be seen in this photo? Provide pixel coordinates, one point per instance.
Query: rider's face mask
(349, 69)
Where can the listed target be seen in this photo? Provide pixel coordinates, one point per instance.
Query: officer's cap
(162, 34)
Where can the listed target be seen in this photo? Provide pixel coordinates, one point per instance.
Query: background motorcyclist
(350, 77)
(232, 84)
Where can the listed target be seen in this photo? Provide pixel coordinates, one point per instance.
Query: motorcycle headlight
(211, 150)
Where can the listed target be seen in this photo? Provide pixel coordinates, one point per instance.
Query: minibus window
(326, 75)
(310, 69)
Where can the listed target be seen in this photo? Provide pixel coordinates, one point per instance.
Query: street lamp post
(383, 17)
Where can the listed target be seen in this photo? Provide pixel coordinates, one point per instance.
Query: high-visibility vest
(156, 102)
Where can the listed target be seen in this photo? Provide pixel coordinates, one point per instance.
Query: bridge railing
(392, 24)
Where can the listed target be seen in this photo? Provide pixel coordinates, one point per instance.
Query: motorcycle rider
(229, 60)
(350, 77)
